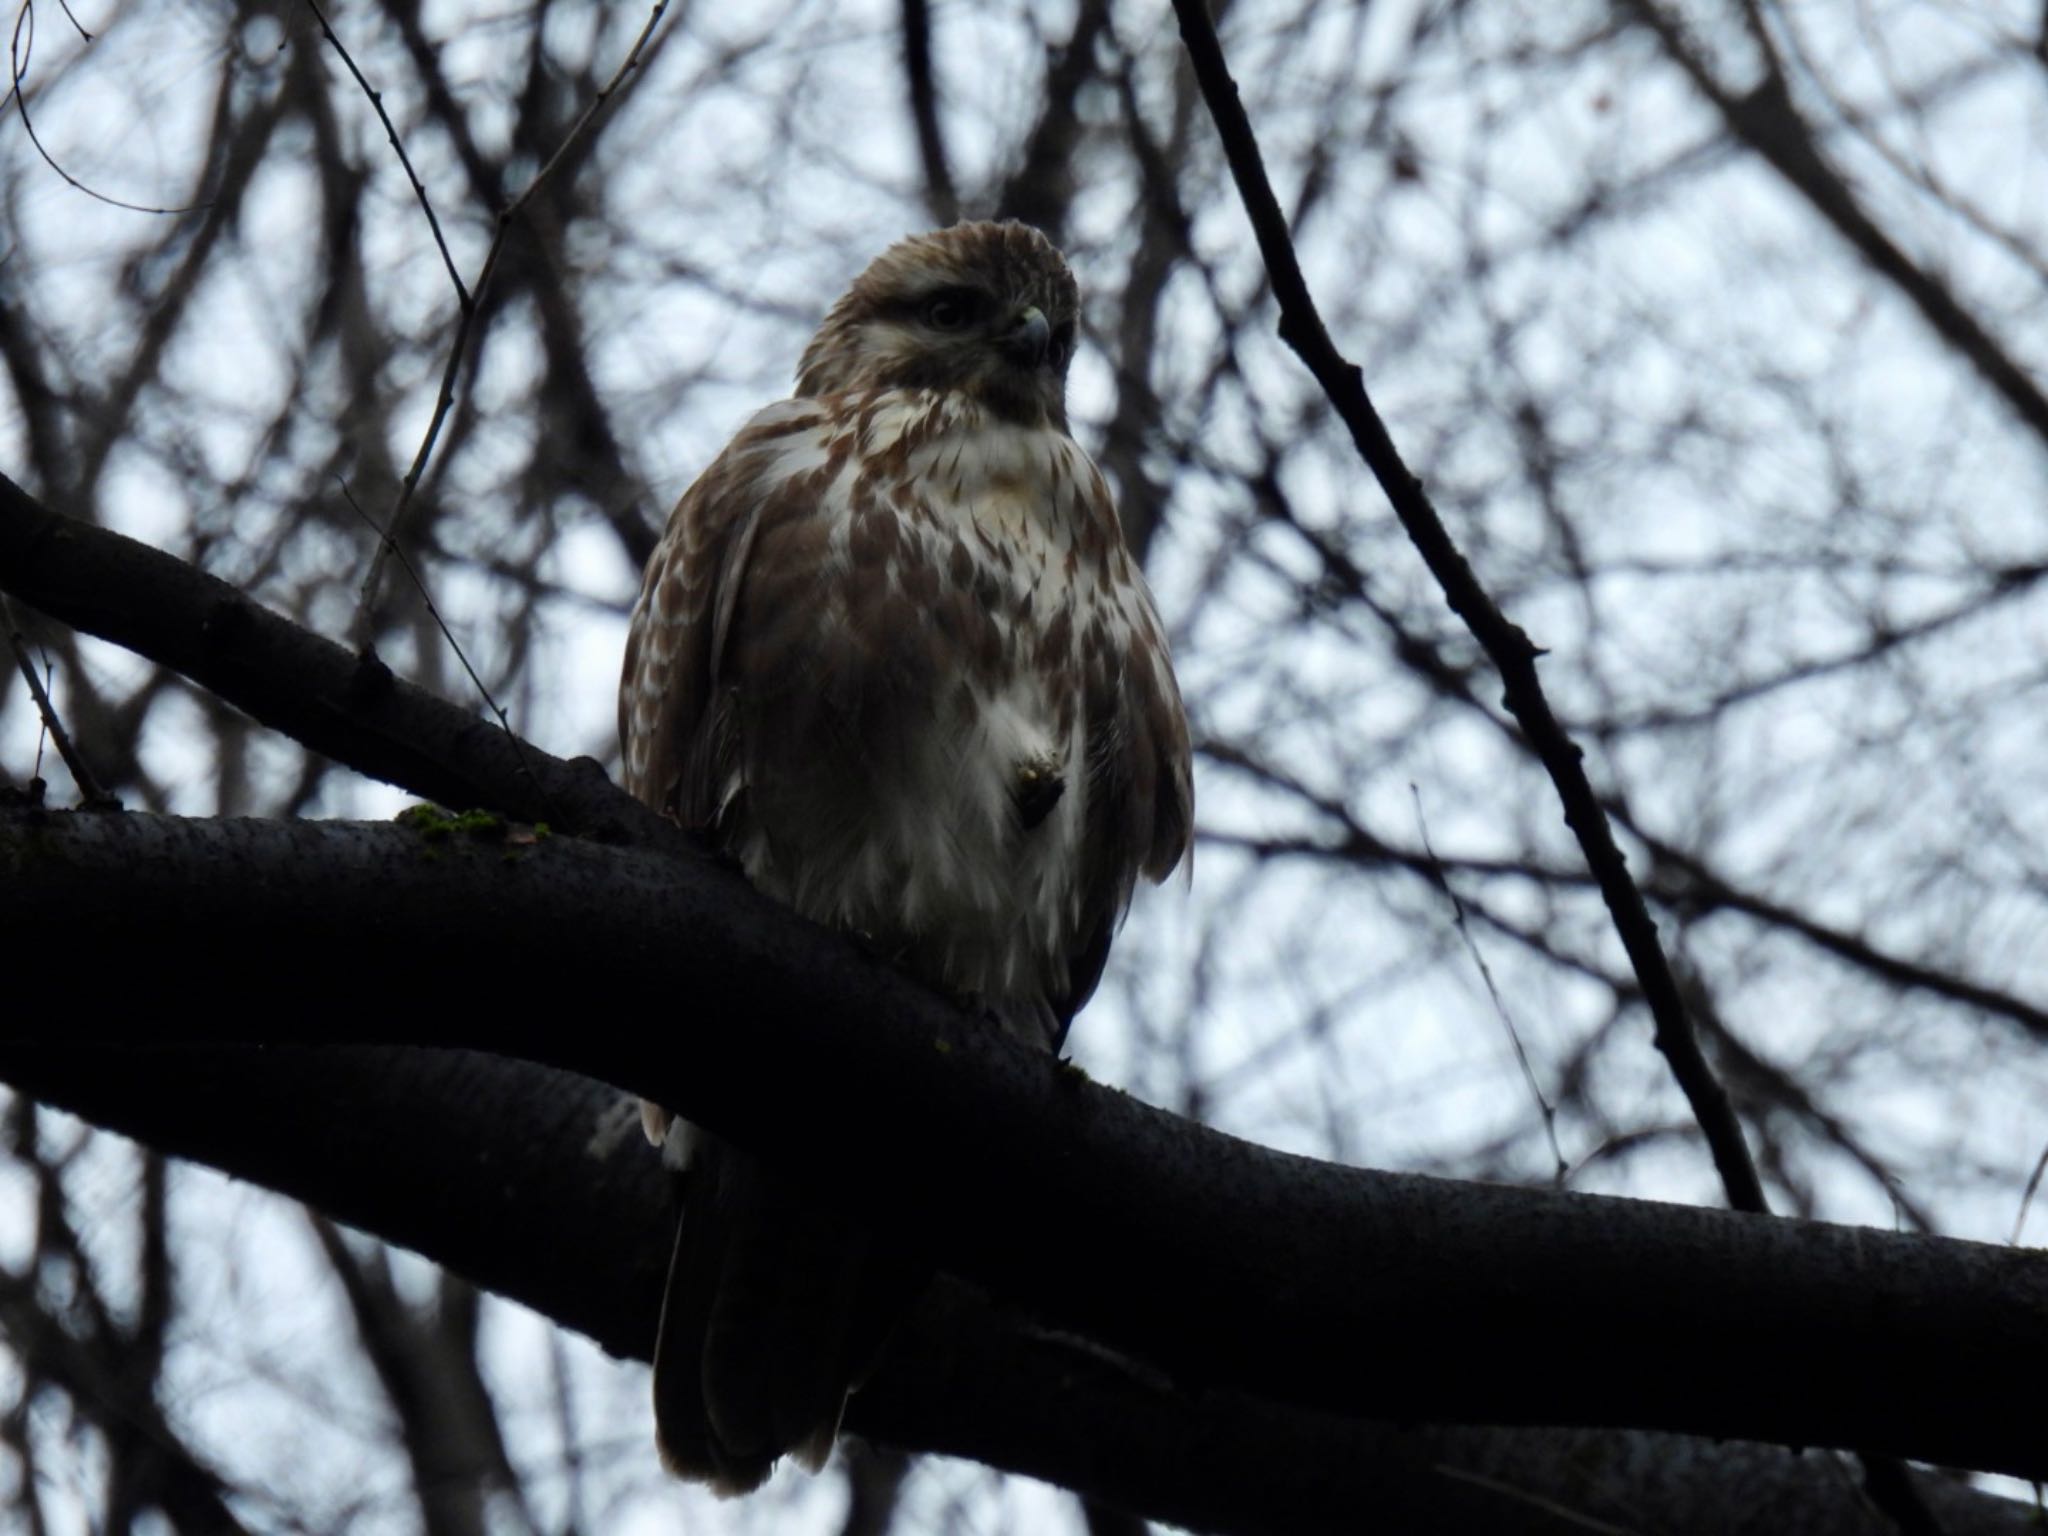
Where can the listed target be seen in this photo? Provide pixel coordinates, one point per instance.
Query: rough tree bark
(542, 1192)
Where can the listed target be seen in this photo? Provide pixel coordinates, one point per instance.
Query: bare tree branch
(939, 193)
(517, 1149)
(349, 707)
(1512, 653)
(1329, 1288)
(1765, 119)
(88, 786)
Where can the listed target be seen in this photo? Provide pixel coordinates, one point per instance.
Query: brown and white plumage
(893, 656)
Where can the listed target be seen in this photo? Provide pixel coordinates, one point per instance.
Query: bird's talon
(1038, 787)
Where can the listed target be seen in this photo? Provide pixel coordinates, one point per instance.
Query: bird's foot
(1037, 789)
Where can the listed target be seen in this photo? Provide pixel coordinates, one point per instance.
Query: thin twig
(469, 308)
(89, 788)
(385, 542)
(1699, 889)
(1301, 327)
(1563, 1513)
(1442, 878)
(2027, 1196)
(1511, 651)
(21, 46)
(419, 188)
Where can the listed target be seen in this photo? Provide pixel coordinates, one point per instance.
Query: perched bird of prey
(893, 656)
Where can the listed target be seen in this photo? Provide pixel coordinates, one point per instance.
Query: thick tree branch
(517, 1150)
(1046, 1179)
(1225, 1264)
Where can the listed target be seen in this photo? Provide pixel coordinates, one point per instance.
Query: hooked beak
(1028, 340)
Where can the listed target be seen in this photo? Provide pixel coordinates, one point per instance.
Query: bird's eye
(949, 311)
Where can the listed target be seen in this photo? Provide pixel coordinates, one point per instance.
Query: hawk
(893, 656)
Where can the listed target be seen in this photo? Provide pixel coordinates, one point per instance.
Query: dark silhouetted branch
(1511, 651)
(1224, 1264)
(352, 709)
(516, 1150)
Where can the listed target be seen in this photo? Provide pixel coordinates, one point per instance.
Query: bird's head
(986, 309)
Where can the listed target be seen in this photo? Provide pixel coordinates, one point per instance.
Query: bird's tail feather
(775, 1306)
